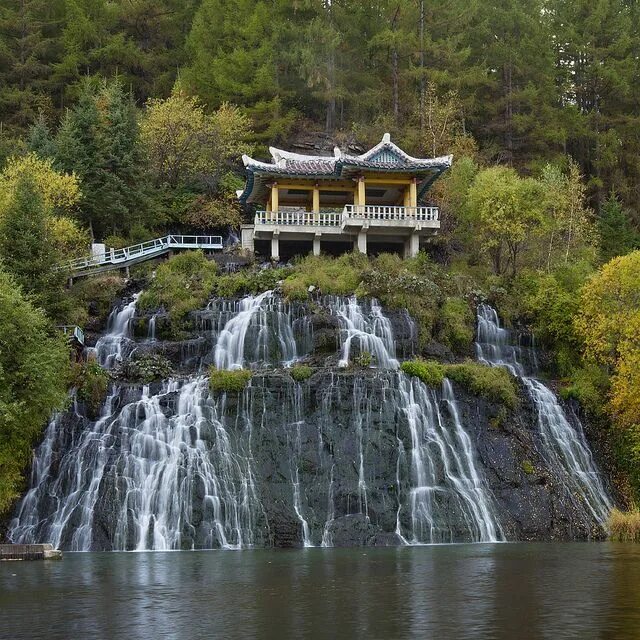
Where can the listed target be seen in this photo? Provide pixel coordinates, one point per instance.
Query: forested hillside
(123, 120)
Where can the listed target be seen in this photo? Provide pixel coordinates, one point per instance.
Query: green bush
(145, 368)
(332, 276)
(249, 281)
(301, 372)
(430, 372)
(224, 380)
(182, 284)
(34, 372)
(96, 294)
(91, 382)
(457, 324)
(493, 383)
(589, 385)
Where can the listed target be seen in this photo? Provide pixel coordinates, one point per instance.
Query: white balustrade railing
(384, 212)
(350, 211)
(298, 218)
(149, 248)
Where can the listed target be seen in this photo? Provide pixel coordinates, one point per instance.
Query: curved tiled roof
(385, 156)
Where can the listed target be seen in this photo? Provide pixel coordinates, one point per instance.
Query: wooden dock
(29, 552)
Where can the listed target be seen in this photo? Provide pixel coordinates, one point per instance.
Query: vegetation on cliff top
(493, 383)
(223, 380)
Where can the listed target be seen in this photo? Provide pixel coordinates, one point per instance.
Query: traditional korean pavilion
(374, 200)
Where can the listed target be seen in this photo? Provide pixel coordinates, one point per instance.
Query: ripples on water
(512, 591)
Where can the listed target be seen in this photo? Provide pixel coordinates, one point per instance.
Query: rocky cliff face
(350, 456)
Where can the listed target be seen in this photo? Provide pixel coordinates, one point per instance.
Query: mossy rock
(222, 380)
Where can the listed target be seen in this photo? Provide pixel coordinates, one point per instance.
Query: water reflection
(546, 591)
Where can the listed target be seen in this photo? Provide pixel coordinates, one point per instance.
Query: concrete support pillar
(275, 247)
(413, 193)
(316, 244)
(412, 246)
(361, 242)
(246, 238)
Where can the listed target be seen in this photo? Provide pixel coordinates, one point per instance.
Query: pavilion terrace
(317, 203)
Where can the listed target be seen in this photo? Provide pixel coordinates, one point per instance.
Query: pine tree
(29, 37)
(26, 250)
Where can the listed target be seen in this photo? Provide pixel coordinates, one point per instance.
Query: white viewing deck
(353, 223)
(128, 256)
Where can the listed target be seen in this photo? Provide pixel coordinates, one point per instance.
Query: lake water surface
(515, 591)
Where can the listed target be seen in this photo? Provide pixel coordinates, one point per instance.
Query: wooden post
(274, 197)
(413, 193)
(361, 194)
(316, 203)
(407, 196)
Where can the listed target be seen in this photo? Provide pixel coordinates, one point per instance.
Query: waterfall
(368, 327)
(259, 330)
(110, 348)
(151, 333)
(168, 481)
(564, 445)
(448, 494)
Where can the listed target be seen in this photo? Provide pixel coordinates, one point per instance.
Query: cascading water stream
(110, 348)
(447, 489)
(369, 328)
(564, 444)
(260, 332)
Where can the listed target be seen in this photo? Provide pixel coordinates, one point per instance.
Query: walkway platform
(128, 256)
(29, 552)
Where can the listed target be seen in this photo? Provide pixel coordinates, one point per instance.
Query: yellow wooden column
(413, 193)
(274, 200)
(316, 203)
(407, 196)
(362, 194)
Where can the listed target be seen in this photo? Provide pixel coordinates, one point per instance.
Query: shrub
(456, 324)
(182, 284)
(493, 383)
(94, 296)
(91, 382)
(145, 368)
(34, 371)
(301, 372)
(363, 359)
(332, 276)
(624, 526)
(224, 380)
(430, 372)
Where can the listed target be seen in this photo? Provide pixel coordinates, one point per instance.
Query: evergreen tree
(617, 235)
(29, 44)
(98, 140)
(25, 246)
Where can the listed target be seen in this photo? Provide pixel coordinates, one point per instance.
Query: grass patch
(624, 526)
(182, 284)
(492, 383)
(249, 281)
(300, 372)
(528, 467)
(429, 371)
(223, 380)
